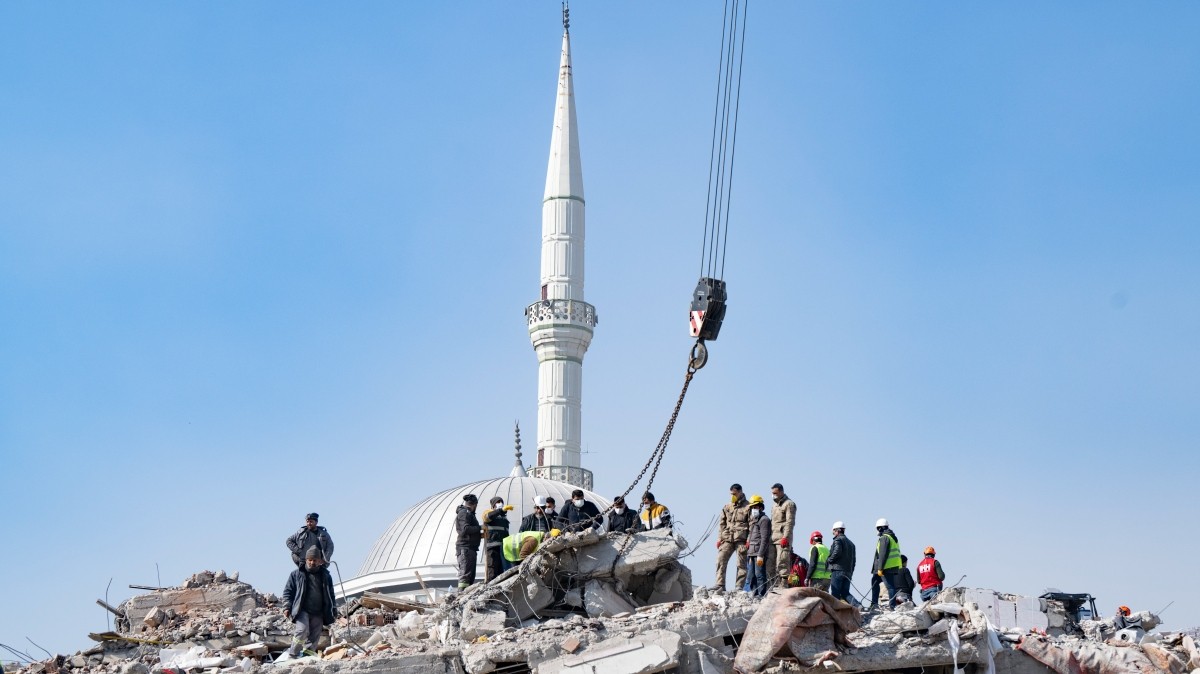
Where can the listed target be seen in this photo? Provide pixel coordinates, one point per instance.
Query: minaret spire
(561, 323)
(518, 469)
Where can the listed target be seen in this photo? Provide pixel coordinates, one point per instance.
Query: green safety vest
(893, 558)
(512, 544)
(822, 571)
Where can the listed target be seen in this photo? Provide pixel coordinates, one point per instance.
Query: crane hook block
(708, 308)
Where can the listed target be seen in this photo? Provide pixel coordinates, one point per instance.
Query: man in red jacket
(930, 575)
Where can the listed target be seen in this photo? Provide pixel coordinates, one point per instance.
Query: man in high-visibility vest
(886, 566)
(818, 562)
(520, 545)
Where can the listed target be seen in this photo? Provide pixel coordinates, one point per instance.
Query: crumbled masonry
(622, 604)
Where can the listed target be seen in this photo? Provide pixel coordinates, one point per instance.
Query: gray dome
(422, 539)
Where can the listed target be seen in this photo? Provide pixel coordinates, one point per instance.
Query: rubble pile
(619, 603)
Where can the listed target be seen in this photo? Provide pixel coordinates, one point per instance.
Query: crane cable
(724, 140)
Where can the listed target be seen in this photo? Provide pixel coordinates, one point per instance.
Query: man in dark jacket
(758, 548)
(841, 562)
(308, 602)
(621, 518)
(469, 535)
(536, 520)
(309, 535)
(556, 521)
(495, 529)
(904, 583)
(580, 513)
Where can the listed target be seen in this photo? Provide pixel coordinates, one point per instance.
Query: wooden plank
(377, 600)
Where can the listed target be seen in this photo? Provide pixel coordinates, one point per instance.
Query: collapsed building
(625, 604)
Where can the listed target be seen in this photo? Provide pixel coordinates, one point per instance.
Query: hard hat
(930, 551)
(838, 525)
(881, 522)
(1123, 610)
(815, 536)
(756, 499)
(539, 501)
(555, 532)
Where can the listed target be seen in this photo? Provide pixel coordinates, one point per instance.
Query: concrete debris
(616, 603)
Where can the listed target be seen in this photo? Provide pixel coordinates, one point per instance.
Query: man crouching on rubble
(308, 602)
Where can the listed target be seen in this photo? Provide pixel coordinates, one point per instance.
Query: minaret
(561, 323)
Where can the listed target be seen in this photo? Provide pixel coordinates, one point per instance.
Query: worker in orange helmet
(1121, 619)
(930, 575)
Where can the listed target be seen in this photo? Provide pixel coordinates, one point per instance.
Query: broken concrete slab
(477, 623)
(656, 651)
(601, 598)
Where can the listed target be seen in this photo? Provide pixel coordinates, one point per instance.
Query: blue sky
(260, 259)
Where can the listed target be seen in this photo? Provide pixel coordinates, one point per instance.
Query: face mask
(733, 499)
(499, 504)
(756, 513)
(578, 502)
(619, 509)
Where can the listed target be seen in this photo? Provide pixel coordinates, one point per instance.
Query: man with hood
(308, 602)
(732, 530)
(466, 548)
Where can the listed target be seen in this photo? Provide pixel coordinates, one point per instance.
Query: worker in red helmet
(818, 562)
(1121, 619)
(930, 575)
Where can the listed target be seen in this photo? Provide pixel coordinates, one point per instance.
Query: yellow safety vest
(512, 544)
(822, 571)
(893, 558)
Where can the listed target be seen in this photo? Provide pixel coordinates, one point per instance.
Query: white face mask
(619, 509)
(756, 513)
(578, 502)
(499, 504)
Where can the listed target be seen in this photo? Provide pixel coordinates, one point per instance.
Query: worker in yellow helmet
(758, 548)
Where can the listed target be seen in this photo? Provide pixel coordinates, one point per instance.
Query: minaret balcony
(575, 312)
(580, 477)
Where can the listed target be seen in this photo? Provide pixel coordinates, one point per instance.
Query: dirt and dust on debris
(620, 604)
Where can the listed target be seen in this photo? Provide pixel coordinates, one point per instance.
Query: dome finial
(518, 470)
(566, 17)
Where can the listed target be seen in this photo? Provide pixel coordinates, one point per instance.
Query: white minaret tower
(561, 323)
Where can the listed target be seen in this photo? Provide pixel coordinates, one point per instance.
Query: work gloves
(783, 542)
(508, 508)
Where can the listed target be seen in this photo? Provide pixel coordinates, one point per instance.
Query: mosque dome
(421, 541)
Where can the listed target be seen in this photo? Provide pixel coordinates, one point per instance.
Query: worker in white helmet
(841, 562)
(887, 563)
(540, 518)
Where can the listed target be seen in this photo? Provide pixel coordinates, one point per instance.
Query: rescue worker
(886, 566)
(495, 530)
(621, 518)
(841, 563)
(732, 530)
(758, 545)
(308, 602)
(579, 513)
(1121, 618)
(818, 562)
(520, 545)
(654, 514)
(930, 575)
(904, 583)
(783, 524)
(466, 548)
(536, 520)
(309, 535)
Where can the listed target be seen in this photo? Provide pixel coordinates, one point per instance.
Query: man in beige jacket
(732, 531)
(783, 525)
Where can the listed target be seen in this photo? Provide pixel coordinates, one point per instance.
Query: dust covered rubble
(804, 629)
(615, 603)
